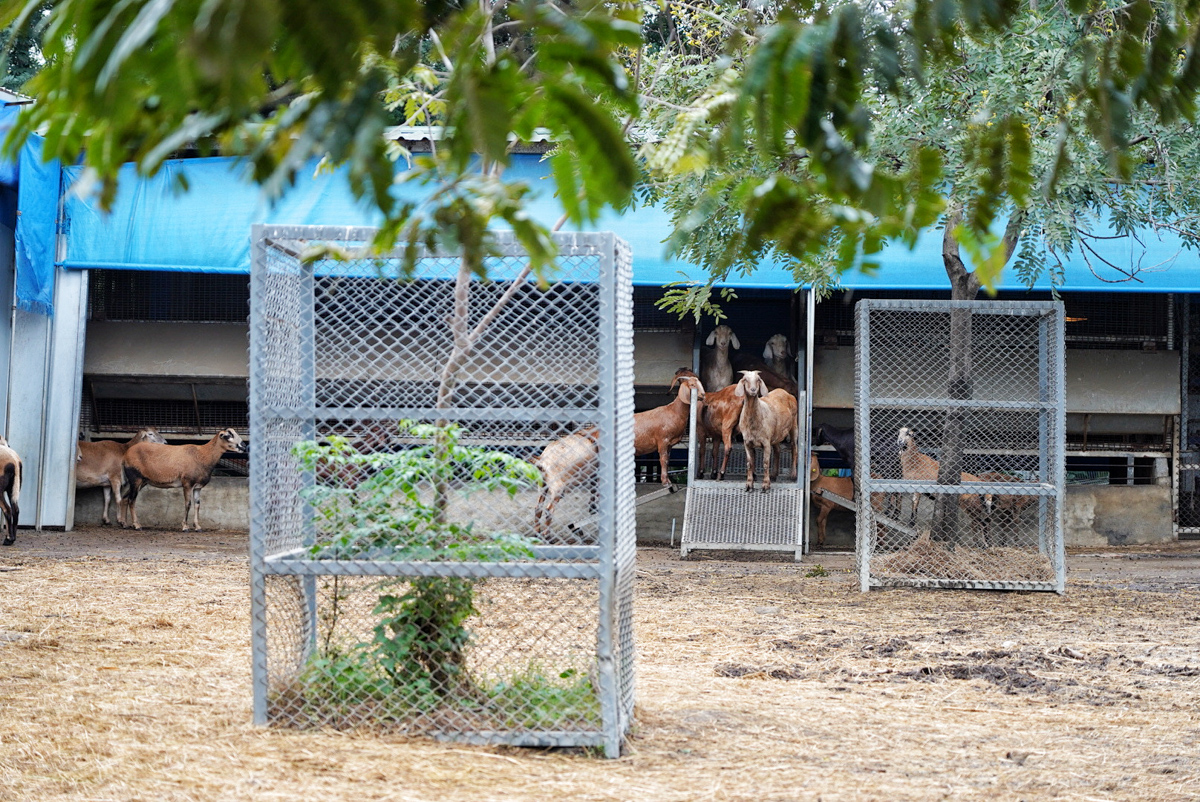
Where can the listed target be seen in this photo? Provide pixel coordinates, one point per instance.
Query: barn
(138, 318)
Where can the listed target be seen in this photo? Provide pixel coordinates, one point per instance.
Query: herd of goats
(760, 406)
(145, 459)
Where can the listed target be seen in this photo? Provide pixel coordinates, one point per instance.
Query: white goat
(716, 371)
(779, 356)
(101, 464)
(10, 490)
(767, 419)
(187, 466)
(564, 463)
(571, 461)
(915, 466)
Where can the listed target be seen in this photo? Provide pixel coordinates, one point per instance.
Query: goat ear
(738, 390)
(733, 340)
(685, 392)
(767, 352)
(712, 337)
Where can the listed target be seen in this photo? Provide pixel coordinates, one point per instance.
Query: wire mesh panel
(442, 502)
(960, 441)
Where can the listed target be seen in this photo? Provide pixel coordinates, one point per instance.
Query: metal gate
(960, 444)
(423, 557)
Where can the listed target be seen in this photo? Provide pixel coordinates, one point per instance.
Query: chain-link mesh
(960, 442)
(442, 524)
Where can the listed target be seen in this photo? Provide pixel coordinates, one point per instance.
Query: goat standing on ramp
(10, 490)
(189, 467)
(768, 418)
(102, 464)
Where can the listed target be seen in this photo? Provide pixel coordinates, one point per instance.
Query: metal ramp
(723, 515)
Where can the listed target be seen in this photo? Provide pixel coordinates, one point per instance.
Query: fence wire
(960, 410)
(442, 524)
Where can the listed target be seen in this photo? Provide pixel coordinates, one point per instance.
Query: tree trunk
(964, 286)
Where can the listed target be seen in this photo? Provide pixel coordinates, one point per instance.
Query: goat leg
(187, 505)
(196, 507)
(107, 499)
(767, 451)
(727, 446)
(749, 465)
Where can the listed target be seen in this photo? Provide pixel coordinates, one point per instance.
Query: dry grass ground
(124, 675)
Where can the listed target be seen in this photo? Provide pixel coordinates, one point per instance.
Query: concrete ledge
(1094, 515)
(224, 504)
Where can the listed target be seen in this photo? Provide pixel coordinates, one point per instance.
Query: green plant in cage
(385, 505)
(394, 506)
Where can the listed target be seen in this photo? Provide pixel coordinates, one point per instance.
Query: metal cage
(449, 550)
(960, 443)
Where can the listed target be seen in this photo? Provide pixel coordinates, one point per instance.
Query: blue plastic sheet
(37, 200)
(155, 226)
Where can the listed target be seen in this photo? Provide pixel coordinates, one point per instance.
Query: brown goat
(718, 418)
(10, 490)
(571, 461)
(917, 466)
(838, 485)
(188, 466)
(101, 464)
(662, 427)
(767, 419)
(1006, 506)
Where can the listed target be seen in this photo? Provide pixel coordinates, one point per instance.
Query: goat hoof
(8, 541)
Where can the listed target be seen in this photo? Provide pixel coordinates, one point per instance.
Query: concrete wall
(224, 504)
(1094, 515)
(1112, 515)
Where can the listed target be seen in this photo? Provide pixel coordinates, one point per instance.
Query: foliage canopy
(805, 130)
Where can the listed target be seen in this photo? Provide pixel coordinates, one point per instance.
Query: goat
(1013, 506)
(842, 441)
(773, 379)
(779, 356)
(915, 466)
(10, 490)
(662, 427)
(101, 464)
(768, 418)
(349, 474)
(187, 466)
(564, 463)
(838, 485)
(718, 418)
(571, 461)
(716, 371)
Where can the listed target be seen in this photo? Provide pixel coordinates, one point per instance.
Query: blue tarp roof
(154, 226)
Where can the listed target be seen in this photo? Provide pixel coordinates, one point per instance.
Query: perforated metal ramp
(724, 515)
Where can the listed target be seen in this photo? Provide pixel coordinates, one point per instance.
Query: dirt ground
(124, 675)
